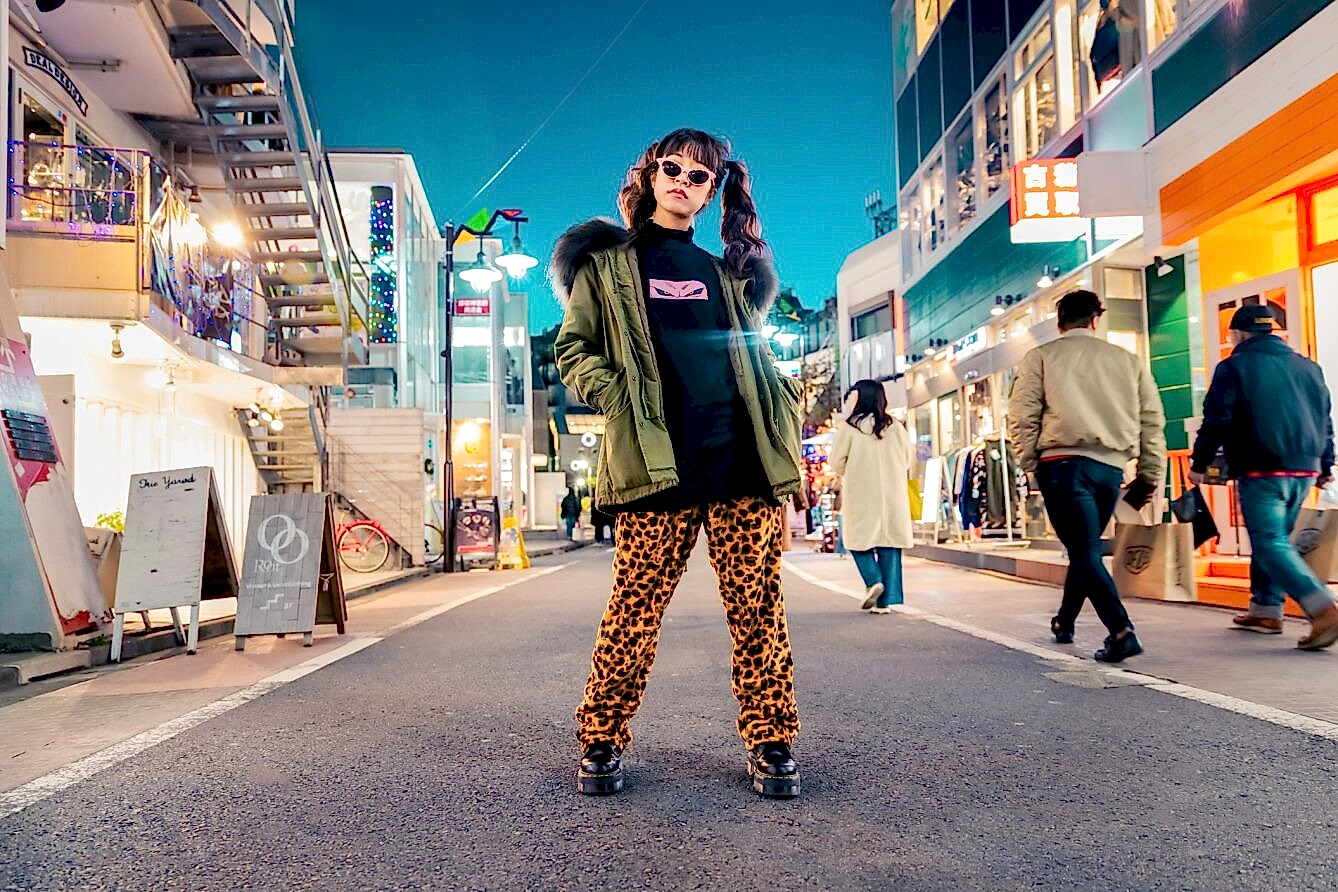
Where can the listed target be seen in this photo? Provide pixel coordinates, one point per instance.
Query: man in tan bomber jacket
(1080, 411)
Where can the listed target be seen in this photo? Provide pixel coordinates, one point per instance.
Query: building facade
(1174, 156)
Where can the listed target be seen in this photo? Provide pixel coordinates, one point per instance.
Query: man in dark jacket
(1269, 411)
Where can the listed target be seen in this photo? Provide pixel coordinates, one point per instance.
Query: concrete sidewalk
(1188, 643)
(51, 724)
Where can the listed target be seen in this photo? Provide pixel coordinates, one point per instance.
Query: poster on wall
(55, 530)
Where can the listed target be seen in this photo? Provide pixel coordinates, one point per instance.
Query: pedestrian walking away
(1080, 411)
(1268, 411)
(571, 511)
(871, 454)
(701, 430)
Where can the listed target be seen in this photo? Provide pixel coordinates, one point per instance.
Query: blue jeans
(571, 526)
(1080, 496)
(1271, 506)
(881, 565)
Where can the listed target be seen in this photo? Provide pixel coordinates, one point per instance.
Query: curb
(165, 639)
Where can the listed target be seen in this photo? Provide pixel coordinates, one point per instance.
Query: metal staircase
(262, 133)
(288, 461)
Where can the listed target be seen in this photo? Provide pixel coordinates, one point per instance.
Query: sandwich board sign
(290, 570)
(175, 551)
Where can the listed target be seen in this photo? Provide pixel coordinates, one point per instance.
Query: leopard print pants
(651, 552)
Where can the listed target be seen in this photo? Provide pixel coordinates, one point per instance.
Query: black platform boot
(773, 770)
(601, 770)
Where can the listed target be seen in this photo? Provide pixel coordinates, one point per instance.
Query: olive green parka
(606, 357)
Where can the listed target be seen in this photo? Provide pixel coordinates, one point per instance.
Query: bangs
(701, 147)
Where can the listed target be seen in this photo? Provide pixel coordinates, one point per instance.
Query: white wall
(376, 461)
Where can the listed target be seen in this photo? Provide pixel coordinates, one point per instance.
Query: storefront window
(1108, 33)
(909, 220)
(933, 195)
(950, 423)
(904, 51)
(1161, 19)
(1324, 216)
(872, 322)
(42, 178)
(1037, 105)
(979, 410)
(962, 149)
(926, 22)
(995, 141)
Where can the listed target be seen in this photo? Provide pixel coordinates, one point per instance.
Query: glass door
(38, 166)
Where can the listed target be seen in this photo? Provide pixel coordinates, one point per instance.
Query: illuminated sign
(971, 344)
(473, 306)
(1044, 205)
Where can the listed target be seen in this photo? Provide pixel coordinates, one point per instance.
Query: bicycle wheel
(434, 543)
(363, 548)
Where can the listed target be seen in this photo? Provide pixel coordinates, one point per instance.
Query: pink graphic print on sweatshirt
(665, 289)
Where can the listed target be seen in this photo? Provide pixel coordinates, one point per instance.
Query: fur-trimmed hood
(576, 246)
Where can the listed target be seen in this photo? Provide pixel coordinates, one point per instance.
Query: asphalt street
(443, 758)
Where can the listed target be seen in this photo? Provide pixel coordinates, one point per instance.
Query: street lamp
(481, 276)
(515, 261)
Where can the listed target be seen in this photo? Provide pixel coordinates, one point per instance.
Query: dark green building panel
(954, 298)
(1168, 348)
(1238, 34)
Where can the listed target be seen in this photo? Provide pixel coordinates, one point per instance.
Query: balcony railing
(103, 193)
(83, 189)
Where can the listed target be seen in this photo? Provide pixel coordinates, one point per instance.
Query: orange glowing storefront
(1263, 213)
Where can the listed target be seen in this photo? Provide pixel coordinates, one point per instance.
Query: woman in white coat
(872, 456)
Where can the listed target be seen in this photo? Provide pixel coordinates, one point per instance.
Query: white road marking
(19, 798)
(1270, 714)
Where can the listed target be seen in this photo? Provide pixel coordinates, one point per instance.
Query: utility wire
(589, 71)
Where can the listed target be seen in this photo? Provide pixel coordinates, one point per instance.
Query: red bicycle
(363, 545)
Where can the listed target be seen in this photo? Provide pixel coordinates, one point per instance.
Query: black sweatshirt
(714, 448)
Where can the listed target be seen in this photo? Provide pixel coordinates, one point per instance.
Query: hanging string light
(383, 324)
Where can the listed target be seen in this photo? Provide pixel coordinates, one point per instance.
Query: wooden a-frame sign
(290, 572)
(175, 551)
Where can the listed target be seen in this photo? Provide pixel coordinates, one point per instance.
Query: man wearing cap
(1269, 411)
(1080, 411)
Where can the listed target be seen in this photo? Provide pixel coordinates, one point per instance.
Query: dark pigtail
(636, 199)
(740, 229)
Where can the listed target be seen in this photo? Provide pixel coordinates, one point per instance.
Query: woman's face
(677, 195)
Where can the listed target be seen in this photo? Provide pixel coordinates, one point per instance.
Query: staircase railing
(319, 408)
(237, 19)
(375, 495)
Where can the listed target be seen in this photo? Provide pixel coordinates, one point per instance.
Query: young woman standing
(700, 431)
(872, 455)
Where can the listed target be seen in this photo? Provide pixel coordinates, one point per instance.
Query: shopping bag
(1315, 536)
(916, 500)
(1192, 508)
(1155, 562)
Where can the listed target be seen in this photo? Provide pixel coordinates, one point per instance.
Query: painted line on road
(1271, 714)
(19, 798)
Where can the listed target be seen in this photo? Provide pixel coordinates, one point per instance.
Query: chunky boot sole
(599, 784)
(783, 787)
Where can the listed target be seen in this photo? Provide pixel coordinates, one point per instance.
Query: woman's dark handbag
(1105, 54)
(1193, 509)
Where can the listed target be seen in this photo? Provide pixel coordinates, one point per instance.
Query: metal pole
(448, 494)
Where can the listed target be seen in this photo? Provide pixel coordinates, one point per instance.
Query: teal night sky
(804, 96)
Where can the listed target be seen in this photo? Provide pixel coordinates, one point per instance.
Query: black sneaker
(1063, 634)
(1119, 648)
(773, 770)
(601, 770)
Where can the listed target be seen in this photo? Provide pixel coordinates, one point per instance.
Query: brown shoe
(1264, 625)
(1323, 630)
